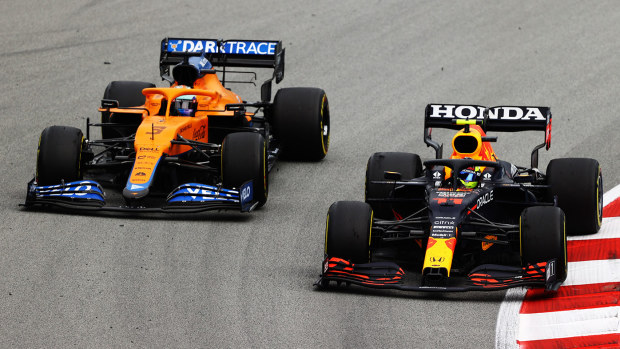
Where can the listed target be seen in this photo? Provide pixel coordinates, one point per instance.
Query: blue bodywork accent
(80, 190)
(201, 63)
(137, 191)
(246, 193)
(187, 198)
(196, 192)
(230, 47)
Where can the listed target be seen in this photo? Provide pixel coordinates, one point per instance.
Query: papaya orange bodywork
(158, 127)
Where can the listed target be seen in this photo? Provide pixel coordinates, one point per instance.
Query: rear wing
(223, 53)
(499, 118)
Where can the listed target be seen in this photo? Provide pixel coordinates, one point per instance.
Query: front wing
(487, 277)
(188, 198)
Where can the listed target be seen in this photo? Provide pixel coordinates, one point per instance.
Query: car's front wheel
(348, 231)
(59, 156)
(244, 159)
(542, 237)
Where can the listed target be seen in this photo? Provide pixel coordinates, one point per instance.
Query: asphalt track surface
(245, 280)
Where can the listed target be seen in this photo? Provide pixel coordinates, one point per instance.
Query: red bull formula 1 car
(196, 141)
(469, 222)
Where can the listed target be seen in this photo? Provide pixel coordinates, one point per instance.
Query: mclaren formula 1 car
(467, 222)
(196, 141)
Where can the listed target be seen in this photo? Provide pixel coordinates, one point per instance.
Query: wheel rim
(324, 124)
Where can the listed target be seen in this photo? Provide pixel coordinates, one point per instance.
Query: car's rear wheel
(244, 159)
(128, 94)
(542, 237)
(408, 165)
(578, 185)
(59, 156)
(348, 231)
(300, 118)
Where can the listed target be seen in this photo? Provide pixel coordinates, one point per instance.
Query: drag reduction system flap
(224, 53)
(499, 118)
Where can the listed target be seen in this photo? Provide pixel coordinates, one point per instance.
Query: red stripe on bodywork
(590, 250)
(612, 209)
(586, 296)
(451, 243)
(596, 341)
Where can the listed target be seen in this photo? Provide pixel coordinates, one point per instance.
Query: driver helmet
(185, 105)
(469, 177)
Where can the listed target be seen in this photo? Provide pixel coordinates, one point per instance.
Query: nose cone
(135, 192)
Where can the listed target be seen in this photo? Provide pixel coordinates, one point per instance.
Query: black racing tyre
(348, 231)
(128, 94)
(578, 184)
(542, 237)
(59, 156)
(244, 159)
(300, 117)
(407, 164)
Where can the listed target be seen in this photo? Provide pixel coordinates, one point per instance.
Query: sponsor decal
(140, 174)
(198, 191)
(142, 157)
(452, 194)
(442, 233)
(232, 47)
(447, 111)
(443, 227)
(155, 130)
(185, 128)
(245, 193)
(436, 174)
(486, 176)
(437, 259)
(550, 270)
(68, 190)
(485, 199)
(199, 133)
(136, 187)
(149, 149)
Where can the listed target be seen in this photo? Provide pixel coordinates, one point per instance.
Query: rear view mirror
(265, 91)
(392, 176)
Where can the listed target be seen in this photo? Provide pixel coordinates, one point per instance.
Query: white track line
(593, 272)
(568, 323)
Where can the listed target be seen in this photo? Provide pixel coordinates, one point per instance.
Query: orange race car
(196, 141)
